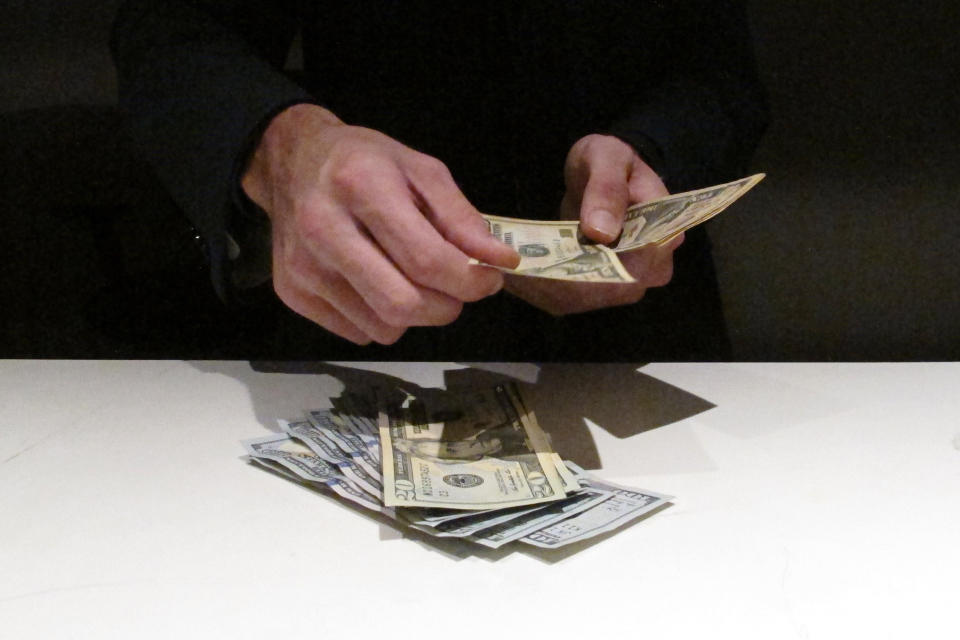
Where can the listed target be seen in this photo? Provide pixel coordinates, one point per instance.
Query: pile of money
(472, 464)
(556, 249)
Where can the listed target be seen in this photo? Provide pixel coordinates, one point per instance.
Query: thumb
(605, 199)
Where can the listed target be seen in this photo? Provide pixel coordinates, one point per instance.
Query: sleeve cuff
(249, 251)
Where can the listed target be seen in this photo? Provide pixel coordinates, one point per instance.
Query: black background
(847, 251)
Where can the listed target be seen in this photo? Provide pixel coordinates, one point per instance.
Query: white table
(812, 501)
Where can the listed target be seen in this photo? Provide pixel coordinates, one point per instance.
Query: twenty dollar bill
(465, 450)
(555, 248)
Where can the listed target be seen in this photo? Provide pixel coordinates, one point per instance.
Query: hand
(604, 175)
(369, 237)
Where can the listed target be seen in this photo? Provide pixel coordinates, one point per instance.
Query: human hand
(369, 237)
(603, 175)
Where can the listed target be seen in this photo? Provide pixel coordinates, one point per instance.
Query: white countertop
(812, 501)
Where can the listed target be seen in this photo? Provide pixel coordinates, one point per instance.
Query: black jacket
(497, 90)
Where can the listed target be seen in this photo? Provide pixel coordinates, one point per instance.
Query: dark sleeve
(700, 123)
(198, 81)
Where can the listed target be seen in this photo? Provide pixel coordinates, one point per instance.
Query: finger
(289, 259)
(663, 262)
(605, 198)
(570, 205)
(334, 289)
(660, 271)
(418, 249)
(562, 298)
(305, 287)
(644, 183)
(378, 192)
(674, 243)
(538, 292)
(319, 311)
(330, 240)
(455, 218)
(651, 266)
(393, 298)
(638, 263)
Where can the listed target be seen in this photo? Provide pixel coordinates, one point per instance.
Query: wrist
(276, 143)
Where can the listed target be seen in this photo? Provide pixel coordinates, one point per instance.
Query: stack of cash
(555, 249)
(471, 464)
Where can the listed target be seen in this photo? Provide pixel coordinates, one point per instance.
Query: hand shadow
(614, 396)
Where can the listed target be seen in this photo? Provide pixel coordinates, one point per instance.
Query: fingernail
(605, 222)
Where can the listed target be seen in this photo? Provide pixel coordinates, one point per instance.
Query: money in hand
(555, 248)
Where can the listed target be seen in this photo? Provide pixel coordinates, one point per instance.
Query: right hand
(369, 237)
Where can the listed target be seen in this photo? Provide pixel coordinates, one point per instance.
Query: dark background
(847, 251)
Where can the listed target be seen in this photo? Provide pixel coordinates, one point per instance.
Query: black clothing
(499, 91)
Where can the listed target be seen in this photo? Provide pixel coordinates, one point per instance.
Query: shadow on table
(615, 397)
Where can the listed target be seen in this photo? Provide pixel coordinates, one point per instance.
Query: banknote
(659, 221)
(570, 483)
(553, 249)
(278, 469)
(517, 528)
(465, 449)
(597, 263)
(540, 243)
(474, 464)
(327, 450)
(298, 459)
(473, 522)
(567, 476)
(556, 249)
(434, 517)
(364, 450)
(359, 412)
(623, 506)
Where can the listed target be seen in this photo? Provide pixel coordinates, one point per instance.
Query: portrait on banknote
(501, 440)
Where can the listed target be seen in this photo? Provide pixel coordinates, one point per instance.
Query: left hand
(603, 175)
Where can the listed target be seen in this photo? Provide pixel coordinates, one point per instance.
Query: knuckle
(422, 266)
(357, 340)
(400, 310)
(485, 284)
(449, 313)
(495, 282)
(285, 289)
(355, 172)
(589, 143)
(635, 296)
(301, 306)
(311, 222)
(297, 267)
(662, 276)
(434, 169)
(557, 309)
(596, 145)
(607, 187)
(314, 234)
(389, 335)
